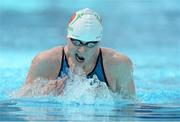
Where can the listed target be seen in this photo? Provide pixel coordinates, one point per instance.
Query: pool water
(156, 77)
(147, 31)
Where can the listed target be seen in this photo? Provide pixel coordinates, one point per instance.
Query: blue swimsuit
(98, 69)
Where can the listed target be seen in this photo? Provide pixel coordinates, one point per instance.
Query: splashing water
(78, 89)
(82, 90)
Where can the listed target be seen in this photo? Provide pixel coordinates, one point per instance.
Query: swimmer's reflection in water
(83, 50)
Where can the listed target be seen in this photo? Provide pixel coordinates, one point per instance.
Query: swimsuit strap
(98, 69)
(64, 65)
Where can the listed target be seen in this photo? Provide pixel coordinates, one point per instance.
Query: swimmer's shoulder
(46, 64)
(113, 57)
(116, 66)
(50, 55)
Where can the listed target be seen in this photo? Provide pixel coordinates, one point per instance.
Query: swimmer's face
(82, 52)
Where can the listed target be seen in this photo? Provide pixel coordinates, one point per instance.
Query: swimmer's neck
(87, 66)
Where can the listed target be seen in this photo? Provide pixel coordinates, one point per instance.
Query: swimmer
(84, 36)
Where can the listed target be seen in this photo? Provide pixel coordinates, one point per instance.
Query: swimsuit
(98, 69)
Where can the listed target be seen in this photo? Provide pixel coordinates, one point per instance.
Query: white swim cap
(85, 25)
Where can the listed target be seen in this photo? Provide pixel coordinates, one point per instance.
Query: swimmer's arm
(40, 68)
(124, 83)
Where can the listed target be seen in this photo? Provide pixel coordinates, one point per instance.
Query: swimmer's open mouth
(79, 58)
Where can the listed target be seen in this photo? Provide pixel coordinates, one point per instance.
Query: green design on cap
(98, 18)
(77, 17)
(81, 13)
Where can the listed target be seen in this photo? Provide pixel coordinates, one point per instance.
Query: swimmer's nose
(82, 49)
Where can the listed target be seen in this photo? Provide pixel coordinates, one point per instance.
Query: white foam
(86, 91)
(78, 89)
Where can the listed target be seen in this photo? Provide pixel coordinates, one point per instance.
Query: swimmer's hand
(54, 87)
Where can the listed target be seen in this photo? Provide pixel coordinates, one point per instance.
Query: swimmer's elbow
(33, 70)
(127, 92)
(131, 89)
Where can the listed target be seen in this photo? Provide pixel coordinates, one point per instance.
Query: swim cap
(85, 25)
